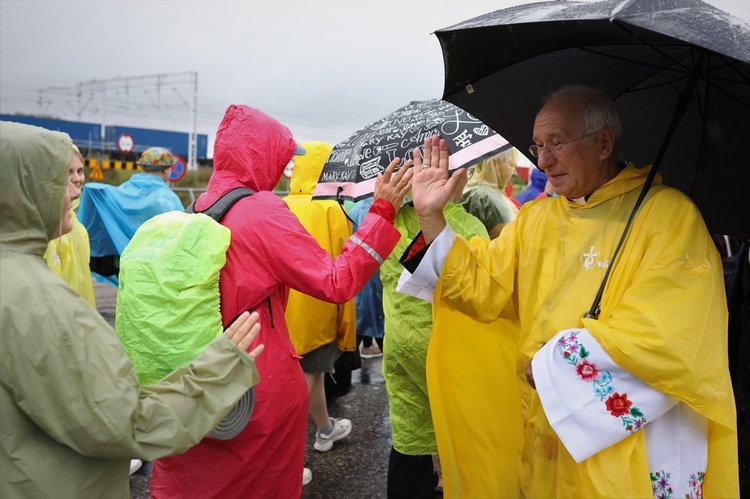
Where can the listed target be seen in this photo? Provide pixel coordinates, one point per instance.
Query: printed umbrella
(678, 71)
(353, 165)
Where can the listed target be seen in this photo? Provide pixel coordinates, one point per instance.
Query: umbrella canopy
(353, 165)
(645, 54)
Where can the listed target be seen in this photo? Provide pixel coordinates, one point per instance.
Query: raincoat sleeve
(421, 283)
(589, 401)
(69, 373)
(668, 326)
(310, 269)
(477, 276)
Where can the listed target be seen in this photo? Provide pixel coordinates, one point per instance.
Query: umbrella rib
(680, 69)
(634, 61)
(728, 64)
(654, 47)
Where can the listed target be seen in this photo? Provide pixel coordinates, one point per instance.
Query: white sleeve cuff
(589, 401)
(421, 284)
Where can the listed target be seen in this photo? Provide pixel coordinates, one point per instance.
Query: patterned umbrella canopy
(353, 165)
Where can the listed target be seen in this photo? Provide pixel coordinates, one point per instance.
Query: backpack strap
(222, 205)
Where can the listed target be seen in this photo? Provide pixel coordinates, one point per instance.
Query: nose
(73, 190)
(545, 159)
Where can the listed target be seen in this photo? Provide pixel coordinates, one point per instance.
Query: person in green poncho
(408, 328)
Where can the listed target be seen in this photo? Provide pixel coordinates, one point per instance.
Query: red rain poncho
(269, 253)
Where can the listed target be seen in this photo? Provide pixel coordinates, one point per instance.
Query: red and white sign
(178, 170)
(125, 143)
(289, 169)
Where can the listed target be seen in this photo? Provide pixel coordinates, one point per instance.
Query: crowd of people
(499, 382)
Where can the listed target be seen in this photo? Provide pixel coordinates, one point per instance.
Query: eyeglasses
(555, 147)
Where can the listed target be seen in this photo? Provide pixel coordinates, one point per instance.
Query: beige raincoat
(72, 413)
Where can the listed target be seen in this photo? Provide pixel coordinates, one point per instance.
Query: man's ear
(608, 143)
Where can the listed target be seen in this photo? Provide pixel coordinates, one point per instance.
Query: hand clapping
(394, 186)
(432, 185)
(243, 332)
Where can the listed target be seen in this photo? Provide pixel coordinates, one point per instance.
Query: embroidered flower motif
(618, 405)
(602, 391)
(575, 353)
(660, 485)
(587, 371)
(695, 484)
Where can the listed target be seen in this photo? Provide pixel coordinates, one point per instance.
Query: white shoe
(370, 352)
(341, 429)
(306, 476)
(135, 465)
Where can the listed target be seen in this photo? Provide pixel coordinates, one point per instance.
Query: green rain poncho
(168, 297)
(408, 327)
(72, 413)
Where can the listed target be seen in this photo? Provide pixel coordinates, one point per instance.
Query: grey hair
(597, 112)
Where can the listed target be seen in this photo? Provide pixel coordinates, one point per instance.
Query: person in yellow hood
(636, 402)
(484, 194)
(68, 255)
(320, 331)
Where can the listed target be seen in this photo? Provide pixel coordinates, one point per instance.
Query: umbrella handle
(340, 201)
(679, 111)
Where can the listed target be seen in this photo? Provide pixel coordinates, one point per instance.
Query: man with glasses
(638, 400)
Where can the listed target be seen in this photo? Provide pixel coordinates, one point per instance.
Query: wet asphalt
(356, 467)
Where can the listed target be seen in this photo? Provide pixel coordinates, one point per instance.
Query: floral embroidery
(662, 489)
(587, 371)
(660, 485)
(695, 486)
(619, 406)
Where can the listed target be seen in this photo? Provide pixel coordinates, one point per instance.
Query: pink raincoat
(269, 253)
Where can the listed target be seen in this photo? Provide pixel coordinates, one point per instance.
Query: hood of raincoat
(251, 150)
(307, 168)
(495, 171)
(538, 179)
(630, 178)
(33, 175)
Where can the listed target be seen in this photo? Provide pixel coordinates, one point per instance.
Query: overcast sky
(324, 68)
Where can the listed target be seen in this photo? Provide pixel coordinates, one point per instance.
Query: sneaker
(135, 465)
(341, 429)
(371, 352)
(306, 476)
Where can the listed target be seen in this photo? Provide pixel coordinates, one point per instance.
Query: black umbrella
(353, 165)
(646, 55)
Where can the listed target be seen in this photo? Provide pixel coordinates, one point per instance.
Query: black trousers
(367, 341)
(411, 477)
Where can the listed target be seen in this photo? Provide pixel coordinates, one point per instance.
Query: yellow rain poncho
(408, 328)
(663, 319)
(475, 401)
(314, 323)
(68, 257)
